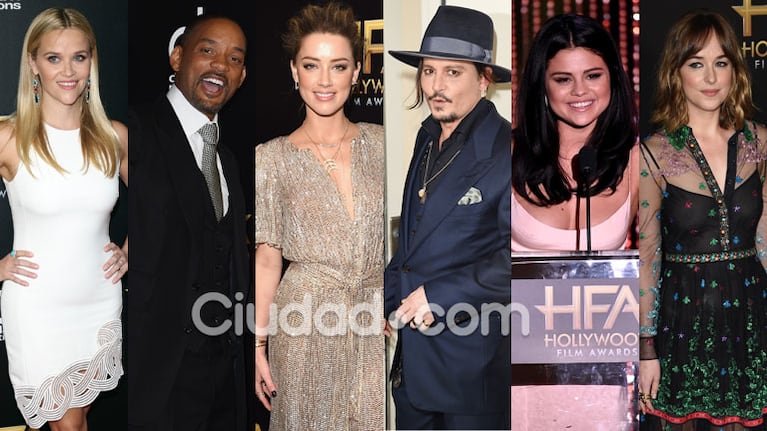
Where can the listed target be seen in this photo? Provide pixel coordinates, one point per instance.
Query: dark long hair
(536, 174)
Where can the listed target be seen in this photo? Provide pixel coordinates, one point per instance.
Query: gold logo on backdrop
(747, 11)
(370, 48)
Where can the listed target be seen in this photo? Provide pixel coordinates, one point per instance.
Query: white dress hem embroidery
(76, 386)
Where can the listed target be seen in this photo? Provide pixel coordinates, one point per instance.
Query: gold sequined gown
(326, 351)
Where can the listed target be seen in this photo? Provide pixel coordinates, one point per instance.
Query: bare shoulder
(120, 128)
(122, 133)
(6, 128)
(6, 136)
(9, 157)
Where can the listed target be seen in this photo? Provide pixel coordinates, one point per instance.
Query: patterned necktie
(209, 133)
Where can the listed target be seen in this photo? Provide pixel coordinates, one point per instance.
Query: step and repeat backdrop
(111, 28)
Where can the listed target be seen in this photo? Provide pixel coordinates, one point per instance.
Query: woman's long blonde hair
(100, 143)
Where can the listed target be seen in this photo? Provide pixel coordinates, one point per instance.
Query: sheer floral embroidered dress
(703, 289)
(63, 331)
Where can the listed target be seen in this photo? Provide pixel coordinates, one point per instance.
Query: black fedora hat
(457, 33)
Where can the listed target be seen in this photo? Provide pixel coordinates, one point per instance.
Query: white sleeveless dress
(63, 331)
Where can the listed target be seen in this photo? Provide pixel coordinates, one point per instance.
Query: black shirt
(435, 160)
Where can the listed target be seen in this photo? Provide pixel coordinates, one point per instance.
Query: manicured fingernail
(274, 394)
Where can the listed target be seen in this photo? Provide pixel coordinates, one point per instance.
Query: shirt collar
(191, 119)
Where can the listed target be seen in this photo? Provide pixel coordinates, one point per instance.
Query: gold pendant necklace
(425, 182)
(329, 163)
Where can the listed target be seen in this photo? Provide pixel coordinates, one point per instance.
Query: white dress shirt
(191, 120)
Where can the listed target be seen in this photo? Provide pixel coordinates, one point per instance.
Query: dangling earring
(546, 100)
(295, 85)
(88, 91)
(36, 90)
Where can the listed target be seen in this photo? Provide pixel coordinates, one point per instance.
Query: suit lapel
(473, 162)
(181, 165)
(411, 186)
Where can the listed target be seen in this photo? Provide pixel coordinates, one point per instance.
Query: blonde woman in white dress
(61, 159)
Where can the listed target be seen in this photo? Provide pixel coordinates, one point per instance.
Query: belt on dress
(710, 257)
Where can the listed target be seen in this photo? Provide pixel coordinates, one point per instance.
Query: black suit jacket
(166, 213)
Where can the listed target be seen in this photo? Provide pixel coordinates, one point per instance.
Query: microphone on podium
(587, 166)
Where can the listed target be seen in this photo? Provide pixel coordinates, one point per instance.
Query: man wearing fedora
(448, 285)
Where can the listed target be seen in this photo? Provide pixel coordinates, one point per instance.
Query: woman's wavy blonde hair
(687, 37)
(100, 143)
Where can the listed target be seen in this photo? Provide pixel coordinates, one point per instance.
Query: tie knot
(209, 133)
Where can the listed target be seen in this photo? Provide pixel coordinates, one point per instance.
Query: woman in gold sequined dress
(319, 205)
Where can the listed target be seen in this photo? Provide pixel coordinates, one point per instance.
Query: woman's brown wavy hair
(687, 37)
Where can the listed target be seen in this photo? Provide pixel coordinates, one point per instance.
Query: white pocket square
(473, 196)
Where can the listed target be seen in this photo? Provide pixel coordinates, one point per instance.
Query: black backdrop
(111, 28)
(657, 18)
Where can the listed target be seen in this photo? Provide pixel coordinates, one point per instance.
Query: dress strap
(645, 150)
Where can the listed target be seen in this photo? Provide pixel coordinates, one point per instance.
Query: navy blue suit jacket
(462, 255)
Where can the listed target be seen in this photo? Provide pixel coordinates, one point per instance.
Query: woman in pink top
(574, 93)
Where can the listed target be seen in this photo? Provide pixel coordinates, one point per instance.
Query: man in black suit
(189, 259)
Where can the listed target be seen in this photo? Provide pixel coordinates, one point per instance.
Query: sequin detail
(710, 257)
(325, 382)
